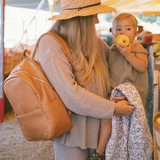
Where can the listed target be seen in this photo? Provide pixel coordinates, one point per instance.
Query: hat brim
(67, 14)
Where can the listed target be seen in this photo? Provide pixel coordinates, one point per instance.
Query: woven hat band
(82, 7)
(75, 8)
(68, 4)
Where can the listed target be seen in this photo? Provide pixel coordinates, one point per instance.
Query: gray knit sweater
(87, 108)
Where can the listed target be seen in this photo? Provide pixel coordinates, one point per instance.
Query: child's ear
(136, 34)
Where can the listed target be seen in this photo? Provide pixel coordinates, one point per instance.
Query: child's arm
(117, 99)
(138, 61)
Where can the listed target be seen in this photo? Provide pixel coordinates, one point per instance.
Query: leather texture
(38, 108)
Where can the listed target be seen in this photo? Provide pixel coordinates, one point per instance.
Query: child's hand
(125, 51)
(117, 99)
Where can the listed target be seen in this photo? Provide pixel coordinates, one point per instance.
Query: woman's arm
(59, 73)
(139, 61)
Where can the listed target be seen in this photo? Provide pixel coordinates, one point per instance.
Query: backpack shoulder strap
(64, 46)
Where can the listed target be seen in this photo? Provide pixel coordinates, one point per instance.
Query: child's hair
(122, 16)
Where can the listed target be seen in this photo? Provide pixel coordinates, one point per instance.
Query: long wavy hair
(80, 34)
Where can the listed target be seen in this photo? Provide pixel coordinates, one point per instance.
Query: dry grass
(13, 145)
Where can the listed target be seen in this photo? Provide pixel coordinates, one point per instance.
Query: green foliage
(107, 16)
(149, 18)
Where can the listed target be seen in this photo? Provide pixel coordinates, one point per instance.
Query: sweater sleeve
(59, 73)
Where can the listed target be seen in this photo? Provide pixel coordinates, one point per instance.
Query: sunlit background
(24, 23)
(17, 21)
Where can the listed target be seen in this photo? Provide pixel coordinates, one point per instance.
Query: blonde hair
(122, 16)
(80, 34)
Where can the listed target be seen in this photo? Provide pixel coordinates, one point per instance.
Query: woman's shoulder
(50, 43)
(48, 39)
(100, 40)
(48, 48)
(102, 44)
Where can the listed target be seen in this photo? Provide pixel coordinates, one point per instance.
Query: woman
(82, 85)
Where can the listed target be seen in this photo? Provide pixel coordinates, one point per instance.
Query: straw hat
(74, 8)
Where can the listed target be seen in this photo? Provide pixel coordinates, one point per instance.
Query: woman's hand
(123, 108)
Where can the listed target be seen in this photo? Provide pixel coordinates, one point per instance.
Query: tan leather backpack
(38, 108)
